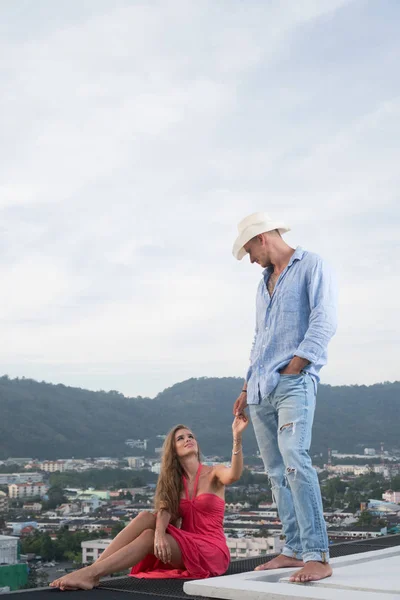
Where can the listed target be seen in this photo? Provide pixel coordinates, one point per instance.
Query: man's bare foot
(312, 571)
(83, 579)
(280, 562)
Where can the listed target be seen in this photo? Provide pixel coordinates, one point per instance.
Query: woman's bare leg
(129, 555)
(144, 520)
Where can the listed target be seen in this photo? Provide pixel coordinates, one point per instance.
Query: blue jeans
(282, 424)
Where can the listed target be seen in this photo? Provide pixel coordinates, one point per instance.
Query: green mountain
(42, 420)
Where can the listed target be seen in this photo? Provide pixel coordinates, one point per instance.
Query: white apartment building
(27, 490)
(251, 546)
(8, 550)
(91, 550)
(141, 444)
(135, 462)
(52, 466)
(237, 507)
(383, 470)
(156, 468)
(34, 507)
(369, 451)
(3, 502)
(348, 469)
(8, 478)
(391, 496)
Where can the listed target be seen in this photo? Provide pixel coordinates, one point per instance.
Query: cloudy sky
(136, 134)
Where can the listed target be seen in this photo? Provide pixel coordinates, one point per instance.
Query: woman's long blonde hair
(169, 484)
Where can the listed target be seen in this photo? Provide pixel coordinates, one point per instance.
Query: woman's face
(185, 443)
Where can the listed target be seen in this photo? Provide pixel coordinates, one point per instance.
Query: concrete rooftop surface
(364, 569)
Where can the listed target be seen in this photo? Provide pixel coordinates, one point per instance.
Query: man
(295, 319)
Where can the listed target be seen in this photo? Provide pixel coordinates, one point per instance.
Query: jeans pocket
(293, 375)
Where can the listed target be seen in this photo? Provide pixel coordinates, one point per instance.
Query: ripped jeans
(282, 424)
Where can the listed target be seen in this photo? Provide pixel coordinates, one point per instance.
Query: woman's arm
(228, 475)
(162, 548)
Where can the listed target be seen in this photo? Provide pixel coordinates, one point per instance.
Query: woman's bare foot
(83, 579)
(280, 562)
(312, 571)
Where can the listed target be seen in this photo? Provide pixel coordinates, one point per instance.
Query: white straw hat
(251, 226)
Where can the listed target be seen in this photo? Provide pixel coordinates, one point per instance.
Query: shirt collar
(297, 255)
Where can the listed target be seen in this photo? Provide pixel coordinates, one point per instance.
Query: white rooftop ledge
(368, 576)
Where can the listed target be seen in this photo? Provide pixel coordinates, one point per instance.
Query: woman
(188, 494)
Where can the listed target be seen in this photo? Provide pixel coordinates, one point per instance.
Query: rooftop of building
(159, 589)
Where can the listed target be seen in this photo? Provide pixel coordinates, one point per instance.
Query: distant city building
(19, 527)
(89, 502)
(8, 478)
(359, 533)
(105, 462)
(348, 469)
(34, 507)
(3, 503)
(338, 456)
(102, 494)
(369, 451)
(92, 549)
(52, 466)
(380, 506)
(18, 491)
(18, 461)
(67, 509)
(76, 464)
(391, 496)
(237, 507)
(135, 462)
(8, 550)
(246, 547)
(383, 470)
(156, 468)
(141, 444)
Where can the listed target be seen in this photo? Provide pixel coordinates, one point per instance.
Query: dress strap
(196, 481)
(185, 485)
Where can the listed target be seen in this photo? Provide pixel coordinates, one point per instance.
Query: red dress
(201, 540)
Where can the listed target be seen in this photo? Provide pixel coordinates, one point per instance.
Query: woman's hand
(239, 424)
(162, 549)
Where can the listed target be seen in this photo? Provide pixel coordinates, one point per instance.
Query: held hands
(239, 424)
(240, 404)
(162, 549)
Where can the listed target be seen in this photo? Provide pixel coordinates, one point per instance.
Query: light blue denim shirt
(298, 320)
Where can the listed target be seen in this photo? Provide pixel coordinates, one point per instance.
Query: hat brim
(238, 250)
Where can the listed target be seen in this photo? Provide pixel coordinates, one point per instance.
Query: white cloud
(137, 136)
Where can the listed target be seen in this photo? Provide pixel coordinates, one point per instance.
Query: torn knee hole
(287, 426)
(290, 471)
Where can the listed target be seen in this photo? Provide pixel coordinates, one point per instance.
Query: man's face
(257, 251)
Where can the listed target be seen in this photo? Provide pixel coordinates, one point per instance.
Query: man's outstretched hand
(240, 404)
